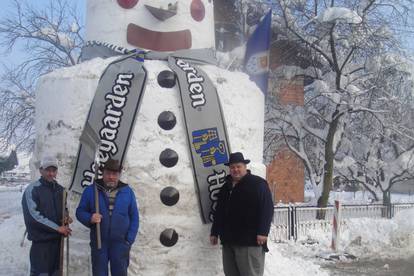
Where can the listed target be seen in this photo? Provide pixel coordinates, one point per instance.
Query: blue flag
(256, 60)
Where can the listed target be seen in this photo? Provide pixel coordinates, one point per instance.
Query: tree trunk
(386, 197)
(386, 201)
(329, 161)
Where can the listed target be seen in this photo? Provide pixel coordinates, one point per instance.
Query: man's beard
(111, 185)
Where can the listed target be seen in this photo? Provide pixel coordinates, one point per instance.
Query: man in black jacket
(42, 211)
(242, 219)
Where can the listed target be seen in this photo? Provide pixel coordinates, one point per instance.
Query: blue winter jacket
(42, 210)
(122, 225)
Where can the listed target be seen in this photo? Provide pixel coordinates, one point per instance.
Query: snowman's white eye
(127, 4)
(198, 10)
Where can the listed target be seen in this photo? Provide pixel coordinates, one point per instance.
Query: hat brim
(45, 166)
(246, 161)
(112, 169)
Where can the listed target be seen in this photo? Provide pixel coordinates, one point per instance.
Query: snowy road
(401, 267)
(13, 258)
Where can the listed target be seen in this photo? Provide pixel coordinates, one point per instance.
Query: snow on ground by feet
(365, 238)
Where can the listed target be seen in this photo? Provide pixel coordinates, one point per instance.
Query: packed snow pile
(368, 238)
(285, 264)
(63, 100)
(381, 238)
(59, 126)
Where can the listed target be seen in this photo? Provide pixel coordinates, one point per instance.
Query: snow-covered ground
(359, 197)
(378, 241)
(13, 257)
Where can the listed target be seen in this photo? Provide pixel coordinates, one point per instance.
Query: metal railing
(281, 223)
(297, 221)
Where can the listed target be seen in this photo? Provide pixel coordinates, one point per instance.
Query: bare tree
(380, 153)
(344, 38)
(51, 38)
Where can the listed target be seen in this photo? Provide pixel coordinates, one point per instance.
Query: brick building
(286, 172)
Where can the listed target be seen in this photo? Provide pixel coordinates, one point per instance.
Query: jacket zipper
(110, 213)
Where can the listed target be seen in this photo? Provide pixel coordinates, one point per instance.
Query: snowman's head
(159, 25)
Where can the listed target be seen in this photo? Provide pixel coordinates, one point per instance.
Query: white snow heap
(333, 14)
(63, 99)
(59, 125)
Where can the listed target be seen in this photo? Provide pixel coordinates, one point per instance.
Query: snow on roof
(5, 148)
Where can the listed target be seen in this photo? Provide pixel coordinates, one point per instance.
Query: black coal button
(168, 158)
(168, 237)
(167, 120)
(170, 196)
(166, 79)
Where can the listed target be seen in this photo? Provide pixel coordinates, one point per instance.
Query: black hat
(237, 157)
(112, 165)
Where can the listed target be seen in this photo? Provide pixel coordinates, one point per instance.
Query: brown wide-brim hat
(237, 157)
(112, 165)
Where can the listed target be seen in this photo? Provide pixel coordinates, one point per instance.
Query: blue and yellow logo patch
(207, 144)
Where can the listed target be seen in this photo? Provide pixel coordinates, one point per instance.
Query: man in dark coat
(242, 219)
(118, 217)
(42, 212)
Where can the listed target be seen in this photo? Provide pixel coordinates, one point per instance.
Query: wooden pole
(98, 225)
(62, 238)
(67, 253)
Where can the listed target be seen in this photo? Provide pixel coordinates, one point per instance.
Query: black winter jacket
(243, 212)
(42, 210)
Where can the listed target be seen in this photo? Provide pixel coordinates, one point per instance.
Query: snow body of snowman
(63, 100)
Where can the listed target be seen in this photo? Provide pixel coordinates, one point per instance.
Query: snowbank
(367, 238)
(285, 264)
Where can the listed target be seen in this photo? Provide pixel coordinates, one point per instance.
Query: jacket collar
(101, 186)
(47, 183)
(229, 179)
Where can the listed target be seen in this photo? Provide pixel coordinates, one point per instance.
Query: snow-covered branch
(51, 38)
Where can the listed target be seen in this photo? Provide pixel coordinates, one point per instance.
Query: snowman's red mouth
(158, 41)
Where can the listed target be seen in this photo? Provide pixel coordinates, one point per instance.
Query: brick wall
(286, 177)
(291, 92)
(286, 173)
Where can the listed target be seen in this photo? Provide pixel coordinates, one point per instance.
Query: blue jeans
(114, 253)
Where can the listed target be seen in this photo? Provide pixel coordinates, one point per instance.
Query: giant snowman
(161, 152)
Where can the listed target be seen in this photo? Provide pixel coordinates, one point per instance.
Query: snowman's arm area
(84, 211)
(133, 218)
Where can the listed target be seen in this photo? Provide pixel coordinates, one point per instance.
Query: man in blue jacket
(118, 217)
(242, 219)
(42, 211)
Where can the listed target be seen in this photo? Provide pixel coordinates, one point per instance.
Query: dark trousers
(243, 260)
(116, 253)
(44, 258)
